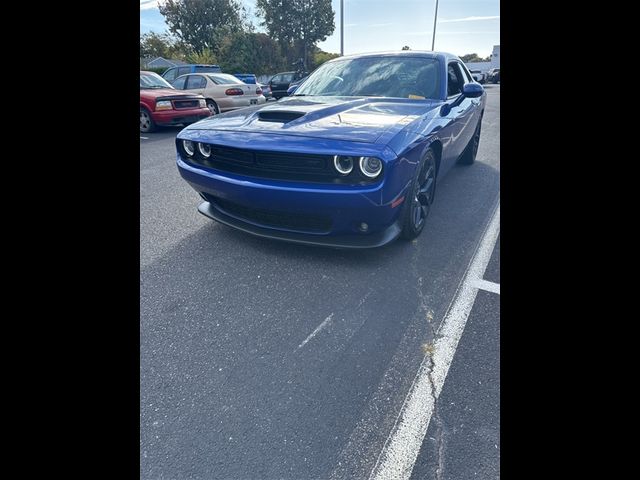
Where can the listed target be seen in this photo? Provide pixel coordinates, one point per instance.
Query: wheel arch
(436, 146)
(212, 100)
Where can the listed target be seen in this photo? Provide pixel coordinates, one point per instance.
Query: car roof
(409, 53)
(204, 73)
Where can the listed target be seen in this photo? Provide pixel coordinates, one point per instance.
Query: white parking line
(144, 138)
(315, 332)
(401, 449)
(483, 284)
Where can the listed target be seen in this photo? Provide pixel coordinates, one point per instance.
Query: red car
(161, 104)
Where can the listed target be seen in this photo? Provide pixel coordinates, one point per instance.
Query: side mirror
(292, 90)
(469, 90)
(472, 90)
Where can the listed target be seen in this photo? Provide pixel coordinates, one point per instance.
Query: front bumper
(182, 116)
(337, 241)
(344, 208)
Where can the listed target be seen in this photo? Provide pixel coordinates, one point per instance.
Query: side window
(170, 75)
(276, 79)
(184, 71)
(196, 81)
(454, 80)
(467, 75)
(179, 83)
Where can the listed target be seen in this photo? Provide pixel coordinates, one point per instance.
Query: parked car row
(220, 92)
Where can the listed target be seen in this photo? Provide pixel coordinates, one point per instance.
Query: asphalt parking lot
(264, 360)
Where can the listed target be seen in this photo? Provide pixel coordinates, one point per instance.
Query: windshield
(388, 76)
(153, 80)
(224, 79)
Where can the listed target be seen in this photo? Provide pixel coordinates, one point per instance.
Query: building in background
(495, 57)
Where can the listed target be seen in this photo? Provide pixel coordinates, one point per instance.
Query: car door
(274, 82)
(196, 83)
(472, 112)
(460, 116)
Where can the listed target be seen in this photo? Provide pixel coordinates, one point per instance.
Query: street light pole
(341, 28)
(435, 19)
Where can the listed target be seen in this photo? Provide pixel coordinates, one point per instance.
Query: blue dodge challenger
(351, 160)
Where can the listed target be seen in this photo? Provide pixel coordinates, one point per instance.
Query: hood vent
(280, 116)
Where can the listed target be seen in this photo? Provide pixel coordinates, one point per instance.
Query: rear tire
(147, 125)
(420, 197)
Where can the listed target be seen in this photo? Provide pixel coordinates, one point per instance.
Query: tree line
(219, 32)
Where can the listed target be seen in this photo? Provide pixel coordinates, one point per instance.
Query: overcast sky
(464, 26)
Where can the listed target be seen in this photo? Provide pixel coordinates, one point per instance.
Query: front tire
(213, 108)
(147, 125)
(471, 150)
(420, 197)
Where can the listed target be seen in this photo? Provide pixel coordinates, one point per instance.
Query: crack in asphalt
(428, 349)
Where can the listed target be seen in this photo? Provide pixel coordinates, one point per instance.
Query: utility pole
(435, 19)
(341, 28)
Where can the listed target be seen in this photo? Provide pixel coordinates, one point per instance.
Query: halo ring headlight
(204, 149)
(370, 166)
(344, 165)
(189, 147)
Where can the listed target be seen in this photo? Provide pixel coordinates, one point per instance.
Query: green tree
(203, 24)
(248, 52)
(155, 44)
(297, 25)
(163, 45)
(319, 57)
(473, 57)
(206, 57)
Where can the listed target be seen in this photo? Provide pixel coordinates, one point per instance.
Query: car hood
(164, 92)
(354, 119)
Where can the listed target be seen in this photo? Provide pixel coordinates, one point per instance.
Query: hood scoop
(279, 116)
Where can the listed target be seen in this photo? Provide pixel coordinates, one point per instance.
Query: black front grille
(276, 165)
(274, 218)
(186, 103)
(287, 162)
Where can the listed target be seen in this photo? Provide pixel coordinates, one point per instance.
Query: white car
(223, 92)
(478, 76)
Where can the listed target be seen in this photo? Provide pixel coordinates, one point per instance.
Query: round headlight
(370, 166)
(344, 165)
(204, 149)
(188, 147)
